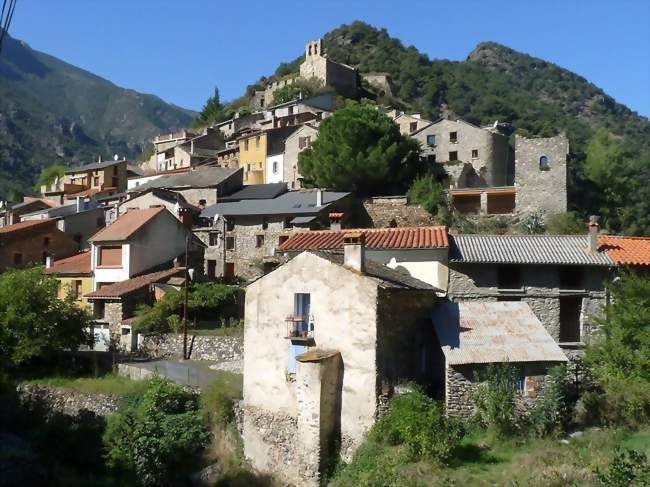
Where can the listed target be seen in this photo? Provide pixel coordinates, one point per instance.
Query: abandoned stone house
(341, 77)
(174, 202)
(243, 230)
(473, 334)
(321, 336)
(560, 277)
(409, 123)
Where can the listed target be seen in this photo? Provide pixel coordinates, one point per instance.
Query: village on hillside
(339, 301)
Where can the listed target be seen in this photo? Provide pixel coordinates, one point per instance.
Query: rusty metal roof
(626, 250)
(375, 238)
(525, 249)
(479, 332)
(126, 225)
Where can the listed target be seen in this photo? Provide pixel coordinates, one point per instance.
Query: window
(246, 145)
(304, 142)
(18, 258)
(265, 224)
(230, 243)
(229, 269)
(413, 126)
(453, 156)
(570, 277)
(202, 202)
(431, 140)
(98, 309)
(213, 239)
(259, 241)
(453, 137)
(46, 241)
(257, 142)
(248, 167)
(509, 277)
(77, 289)
(474, 153)
(275, 167)
(290, 110)
(544, 164)
(570, 307)
(114, 170)
(110, 256)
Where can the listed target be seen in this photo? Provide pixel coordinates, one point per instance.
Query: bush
(629, 467)
(427, 192)
(494, 400)
(373, 465)
(154, 438)
(565, 224)
(552, 412)
(419, 423)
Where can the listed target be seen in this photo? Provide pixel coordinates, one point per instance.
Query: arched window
(544, 164)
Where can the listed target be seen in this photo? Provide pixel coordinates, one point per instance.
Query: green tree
(494, 399)
(360, 149)
(426, 191)
(569, 223)
(604, 158)
(621, 357)
(50, 174)
(155, 438)
(213, 111)
(33, 322)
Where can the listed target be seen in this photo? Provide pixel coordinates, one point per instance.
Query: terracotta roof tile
(18, 227)
(626, 250)
(126, 225)
(75, 264)
(123, 288)
(375, 238)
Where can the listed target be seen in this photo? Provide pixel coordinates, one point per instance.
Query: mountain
(54, 113)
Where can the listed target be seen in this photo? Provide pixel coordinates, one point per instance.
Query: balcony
(300, 328)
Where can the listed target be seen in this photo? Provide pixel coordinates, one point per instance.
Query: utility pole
(185, 299)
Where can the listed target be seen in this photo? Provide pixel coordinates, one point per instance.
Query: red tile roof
(626, 250)
(90, 192)
(126, 225)
(123, 288)
(76, 264)
(27, 224)
(375, 238)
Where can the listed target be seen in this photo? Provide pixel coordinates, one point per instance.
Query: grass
(514, 462)
(218, 329)
(106, 384)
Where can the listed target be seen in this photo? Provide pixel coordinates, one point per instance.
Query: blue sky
(179, 50)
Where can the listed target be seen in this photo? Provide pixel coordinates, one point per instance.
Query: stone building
(410, 123)
(297, 142)
(392, 211)
(541, 174)
(95, 179)
(174, 202)
(382, 82)
(474, 334)
(341, 77)
(189, 152)
(75, 276)
(33, 241)
(562, 278)
(12, 214)
(243, 230)
(256, 147)
(472, 156)
(321, 338)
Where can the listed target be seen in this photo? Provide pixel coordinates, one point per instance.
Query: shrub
(427, 192)
(629, 467)
(552, 412)
(494, 400)
(419, 423)
(568, 223)
(373, 465)
(534, 224)
(153, 438)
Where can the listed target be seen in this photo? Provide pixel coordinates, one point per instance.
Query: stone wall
(538, 189)
(382, 211)
(213, 348)
(68, 401)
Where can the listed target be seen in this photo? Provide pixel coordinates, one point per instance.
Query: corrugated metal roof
(626, 250)
(201, 177)
(525, 249)
(375, 238)
(256, 192)
(480, 332)
(123, 288)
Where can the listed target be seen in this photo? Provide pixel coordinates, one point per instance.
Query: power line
(8, 6)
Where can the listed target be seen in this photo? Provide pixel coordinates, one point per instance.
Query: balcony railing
(300, 328)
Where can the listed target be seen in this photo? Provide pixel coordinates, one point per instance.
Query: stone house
(473, 334)
(13, 214)
(75, 276)
(392, 211)
(471, 156)
(297, 142)
(561, 277)
(421, 252)
(199, 186)
(410, 123)
(239, 123)
(243, 230)
(174, 202)
(341, 77)
(256, 147)
(94, 179)
(190, 152)
(33, 241)
(320, 340)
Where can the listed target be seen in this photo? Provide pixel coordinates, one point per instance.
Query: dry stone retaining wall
(214, 348)
(68, 401)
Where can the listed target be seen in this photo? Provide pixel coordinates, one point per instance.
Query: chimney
(354, 251)
(593, 234)
(80, 204)
(48, 261)
(319, 198)
(335, 221)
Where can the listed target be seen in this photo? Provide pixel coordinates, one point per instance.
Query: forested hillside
(54, 113)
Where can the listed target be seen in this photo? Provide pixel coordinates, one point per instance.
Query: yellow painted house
(75, 277)
(255, 147)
